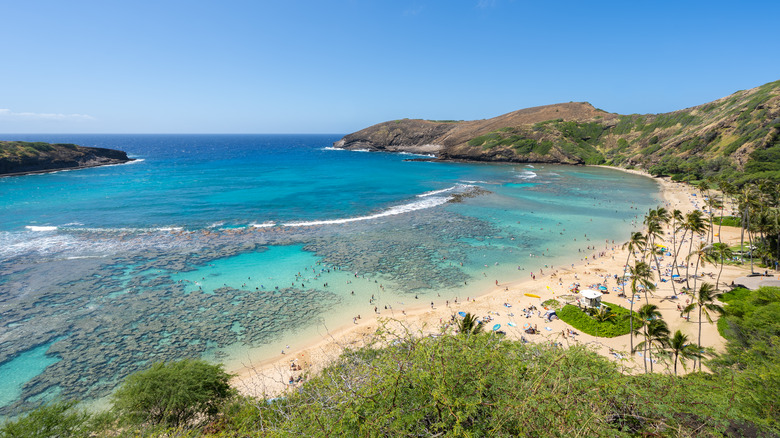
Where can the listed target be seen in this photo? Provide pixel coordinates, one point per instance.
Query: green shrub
(59, 419)
(580, 320)
(172, 393)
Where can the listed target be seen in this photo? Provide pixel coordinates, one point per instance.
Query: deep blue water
(226, 246)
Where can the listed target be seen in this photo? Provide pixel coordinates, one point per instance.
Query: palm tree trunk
(631, 321)
(750, 243)
(699, 336)
(644, 358)
(675, 363)
(657, 264)
(625, 269)
(742, 239)
(679, 248)
(650, 356)
(687, 264)
(720, 225)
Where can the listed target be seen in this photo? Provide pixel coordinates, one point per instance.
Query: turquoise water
(21, 370)
(228, 246)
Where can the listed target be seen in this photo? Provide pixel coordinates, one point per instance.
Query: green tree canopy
(172, 393)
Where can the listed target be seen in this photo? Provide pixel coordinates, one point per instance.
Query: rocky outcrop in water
(20, 157)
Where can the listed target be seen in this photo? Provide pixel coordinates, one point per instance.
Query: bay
(230, 247)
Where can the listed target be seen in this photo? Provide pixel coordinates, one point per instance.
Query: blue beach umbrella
(462, 314)
(496, 327)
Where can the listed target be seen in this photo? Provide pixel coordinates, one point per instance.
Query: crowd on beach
(601, 269)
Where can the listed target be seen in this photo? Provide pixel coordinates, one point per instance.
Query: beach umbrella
(511, 324)
(496, 327)
(462, 314)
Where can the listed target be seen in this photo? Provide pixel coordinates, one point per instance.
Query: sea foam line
(263, 225)
(41, 228)
(422, 204)
(527, 174)
(448, 189)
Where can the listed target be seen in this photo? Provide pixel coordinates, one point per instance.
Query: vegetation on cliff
(19, 157)
(736, 137)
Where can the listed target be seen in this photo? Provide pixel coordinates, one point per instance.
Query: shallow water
(223, 247)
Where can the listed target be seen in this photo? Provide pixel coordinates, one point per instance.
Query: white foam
(436, 192)
(263, 225)
(417, 155)
(422, 204)
(527, 174)
(40, 228)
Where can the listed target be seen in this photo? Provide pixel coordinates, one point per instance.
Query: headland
(23, 158)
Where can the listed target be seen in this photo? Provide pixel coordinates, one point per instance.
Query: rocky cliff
(738, 133)
(18, 157)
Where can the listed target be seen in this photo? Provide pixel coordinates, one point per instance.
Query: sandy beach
(504, 304)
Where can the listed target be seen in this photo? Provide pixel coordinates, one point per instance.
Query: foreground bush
(484, 385)
(173, 394)
(58, 419)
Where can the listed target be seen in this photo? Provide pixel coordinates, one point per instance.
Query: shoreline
(271, 376)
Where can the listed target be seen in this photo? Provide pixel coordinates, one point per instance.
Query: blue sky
(336, 66)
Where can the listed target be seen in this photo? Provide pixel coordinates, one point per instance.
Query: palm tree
(719, 252)
(653, 220)
(726, 189)
(700, 253)
(647, 314)
(696, 225)
(656, 336)
(676, 218)
(636, 242)
(603, 314)
(745, 198)
(642, 274)
(704, 299)
(680, 348)
(469, 325)
(704, 189)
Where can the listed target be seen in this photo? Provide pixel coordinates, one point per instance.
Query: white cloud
(8, 114)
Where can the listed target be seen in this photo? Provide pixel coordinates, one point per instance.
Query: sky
(337, 66)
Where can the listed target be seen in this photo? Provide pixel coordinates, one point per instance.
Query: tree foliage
(172, 393)
(55, 420)
(752, 358)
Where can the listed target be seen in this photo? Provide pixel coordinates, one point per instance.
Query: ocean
(232, 247)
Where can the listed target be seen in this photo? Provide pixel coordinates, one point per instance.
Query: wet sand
(270, 377)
